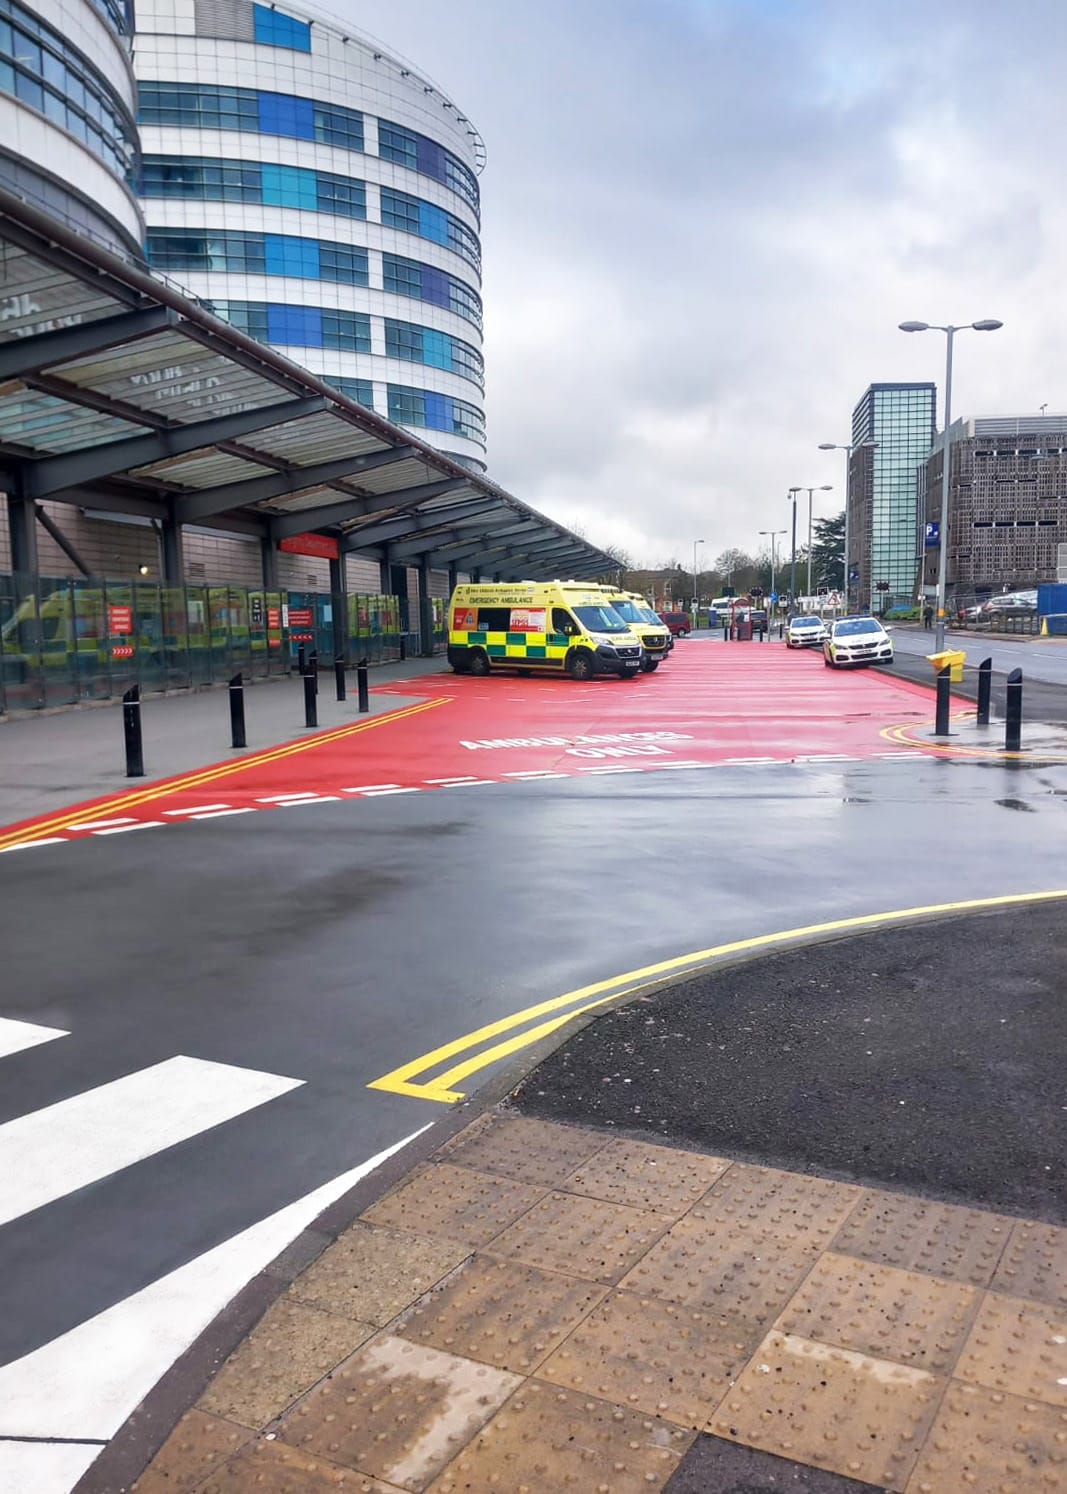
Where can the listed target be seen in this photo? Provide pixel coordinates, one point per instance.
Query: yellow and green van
(655, 636)
(547, 627)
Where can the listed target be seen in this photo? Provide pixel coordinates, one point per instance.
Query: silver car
(805, 632)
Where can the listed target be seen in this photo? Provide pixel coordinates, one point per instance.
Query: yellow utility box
(953, 659)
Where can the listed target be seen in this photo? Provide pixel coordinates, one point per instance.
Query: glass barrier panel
(177, 672)
(120, 625)
(199, 634)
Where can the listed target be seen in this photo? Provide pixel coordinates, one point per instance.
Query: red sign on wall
(122, 651)
(119, 620)
(311, 544)
(274, 617)
(300, 617)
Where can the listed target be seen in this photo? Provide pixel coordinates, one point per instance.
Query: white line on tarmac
(25, 845)
(461, 778)
(16, 1037)
(285, 798)
(304, 803)
(86, 1382)
(222, 814)
(196, 809)
(383, 792)
(51, 1152)
(125, 829)
(369, 788)
(100, 824)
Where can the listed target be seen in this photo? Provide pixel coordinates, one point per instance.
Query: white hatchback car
(857, 640)
(805, 632)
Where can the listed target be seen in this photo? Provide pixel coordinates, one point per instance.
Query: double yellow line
(421, 1080)
(902, 734)
(36, 829)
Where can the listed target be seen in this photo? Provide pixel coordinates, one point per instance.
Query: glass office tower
(885, 539)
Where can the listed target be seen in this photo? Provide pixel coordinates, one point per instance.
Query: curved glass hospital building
(323, 197)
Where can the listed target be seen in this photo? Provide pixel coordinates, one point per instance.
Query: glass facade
(211, 180)
(885, 539)
(437, 412)
(42, 70)
(417, 344)
(409, 277)
(298, 326)
(256, 254)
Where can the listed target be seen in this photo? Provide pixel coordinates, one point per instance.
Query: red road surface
(709, 705)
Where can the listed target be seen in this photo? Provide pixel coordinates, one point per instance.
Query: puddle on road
(1016, 804)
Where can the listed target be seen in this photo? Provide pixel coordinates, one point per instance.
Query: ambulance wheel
(649, 666)
(479, 664)
(581, 666)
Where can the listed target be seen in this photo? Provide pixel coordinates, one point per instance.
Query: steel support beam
(22, 528)
(407, 524)
(467, 551)
(28, 355)
(268, 558)
(325, 515)
(172, 553)
(195, 506)
(425, 609)
(51, 475)
(441, 543)
(50, 527)
(339, 607)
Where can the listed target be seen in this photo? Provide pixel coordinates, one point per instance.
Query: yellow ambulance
(553, 627)
(655, 636)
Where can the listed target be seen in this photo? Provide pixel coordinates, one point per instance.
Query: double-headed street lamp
(695, 580)
(848, 449)
(827, 487)
(990, 324)
(772, 534)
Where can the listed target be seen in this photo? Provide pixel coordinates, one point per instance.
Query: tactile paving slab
(371, 1273)
(654, 1356)
(456, 1202)
(546, 1440)
(581, 1236)
(647, 1176)
(714, 1466)
(533, 1151)
(985, 1441)
(854, 1414)
(398, 1411)
(287, 1352)
(274, 1468)
(883, 1311)
(500, 1312)
(748, 1277)
(1034, 1264)
(917, 1235)
(1019, 1347)
(765, 1200)
(198, 1445)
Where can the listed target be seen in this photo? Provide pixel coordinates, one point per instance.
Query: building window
(412, 215)
(272, 28)
(408, 277)
(298, 326)
(346, 331)
(256, 253)
(420, 153)
(417, 344)
(249, 317)
(438, 412)
(200, 106)
(243, 181)
(361, 390)
(39, 69)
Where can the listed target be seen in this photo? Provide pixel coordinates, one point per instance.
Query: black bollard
(726, 632)
(301, 662)
(313, 668)
(1013, 714)
(403, 647)
(131, 731)
(944, 690)
(985, 685)
(361, 686)
(339, 677)
(237, 712)
(311, 708)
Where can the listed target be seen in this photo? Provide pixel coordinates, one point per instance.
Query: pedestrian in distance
(928, 617)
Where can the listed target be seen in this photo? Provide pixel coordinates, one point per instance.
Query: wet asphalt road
(927, 1058)
(334, 943)
(1039, 660)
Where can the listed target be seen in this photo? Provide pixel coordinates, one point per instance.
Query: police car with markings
(543, 627)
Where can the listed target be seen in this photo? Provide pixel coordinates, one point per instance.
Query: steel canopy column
(425, 608)
(453, 577)
(268, 556)
(172, 553)
(339, 605)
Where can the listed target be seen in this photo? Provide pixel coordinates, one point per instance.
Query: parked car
(805, 632)
(677, 622)
(857, 641)
(1011, 601)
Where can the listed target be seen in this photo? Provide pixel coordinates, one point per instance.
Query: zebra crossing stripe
(16, 1037)
(49, 1153)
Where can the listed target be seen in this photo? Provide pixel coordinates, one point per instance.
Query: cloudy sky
(703, 219)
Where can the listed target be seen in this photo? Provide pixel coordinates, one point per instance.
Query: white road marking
(382, 793)
(603, 772)
(125, 829)
(285, 798)
(368, 788)
(221, 814)
(50, 1393)
(44, 1467)
(468, 782)
(100, 824)
(16, 1037)
(901, 754)
(51, 1152)
(49, 840)
(196, 809)
(825, 757)
(746, 762)
(462, 778)
(304, 803)
(539, 773)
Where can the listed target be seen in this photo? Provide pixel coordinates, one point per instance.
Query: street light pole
(772, 535)
(848, 449)
(988, 325)
(827, 487)
(695, 580)
(793, 562)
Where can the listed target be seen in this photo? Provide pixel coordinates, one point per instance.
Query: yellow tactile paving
(543, 1307)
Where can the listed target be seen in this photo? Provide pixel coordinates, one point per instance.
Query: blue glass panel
(430, 159)
(433, 223)
(273, 29)
(288, 255)
(434, 286)
(289, 186)
(295, 326)
(282, 114)
(438, 411)
(436, 348)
